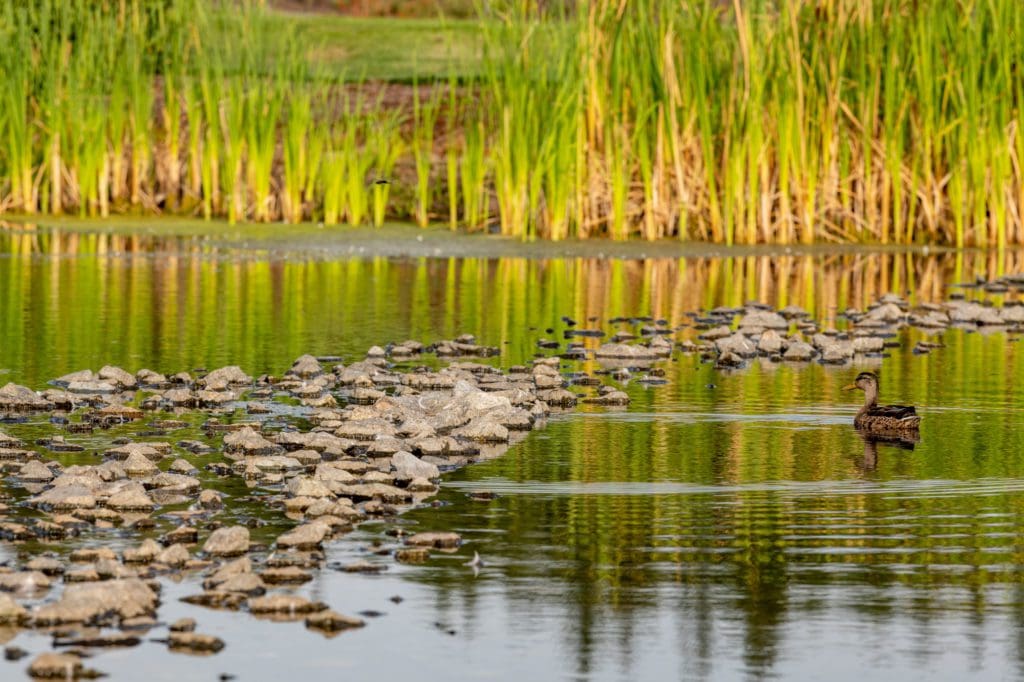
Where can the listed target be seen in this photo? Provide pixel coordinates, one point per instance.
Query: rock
(764, 319)
(1012, 314)
(35, 471)
(148, 377)
(420, 485)
(138, 464)
(837, 352)
(374, 491)
(248, 442)
(737, 344)
(484, 430)
(332, 621)
(191, 641)
(210, 499)
(132, 498)
(231, 375)
(286, 604)
(11, 612)
(173, 483)
(92, 388)
(244, 583)
(307, 536)
(888, 312)
(183, 625)
(622, 351)
(798, 351)
(230, 541)
(118, 377)
(46, 565)
(17, 398)
(216, 599)
(412, 555)
(303, 486)
(306, 367)
(65, 497)
(868, 344)
(407, 467)
(90, 602)
(174, 556)
(24, 582)
(183, 467)
(144, 553)
(146, 450)
(729, 360)
(286, 575)
(433, 539)
(80, 375)
(231, 569)
(51, 666)
(770, 343)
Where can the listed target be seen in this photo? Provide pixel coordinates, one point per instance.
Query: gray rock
(91, 601)
(798, 351)
(303, 486)
(440, 540)
(284, 604)
(737, 344)
(20, 398)
(307, 536)
(35, 471)
(231, 375)
(131, 498)
(332, 621)
(764, 319)
(176, 555)
(770, 342)
(51, 666)
(65, 497)
(407, 467)
(230, 541)
(192, 641)
(118, 377)
(11, 612)
(868, 344)
(248, 442)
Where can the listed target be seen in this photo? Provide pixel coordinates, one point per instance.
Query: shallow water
(725, 525)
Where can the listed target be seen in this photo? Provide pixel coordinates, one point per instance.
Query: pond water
(726, 525)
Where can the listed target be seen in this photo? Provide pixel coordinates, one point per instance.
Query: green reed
(757, 121)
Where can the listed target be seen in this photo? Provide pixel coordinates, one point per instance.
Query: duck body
(881, 418)
(885, 418)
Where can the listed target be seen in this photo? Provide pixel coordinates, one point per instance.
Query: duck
(881, 418)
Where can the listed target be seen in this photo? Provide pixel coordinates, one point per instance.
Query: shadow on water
(727, 524)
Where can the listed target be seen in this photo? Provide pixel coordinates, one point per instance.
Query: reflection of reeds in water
(603, 288)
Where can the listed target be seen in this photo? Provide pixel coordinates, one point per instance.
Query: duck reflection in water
(904, 440)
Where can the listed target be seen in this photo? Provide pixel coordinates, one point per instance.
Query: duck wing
(898, 412)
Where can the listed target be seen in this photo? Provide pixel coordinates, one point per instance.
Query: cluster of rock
(731, 337)
(328, 444)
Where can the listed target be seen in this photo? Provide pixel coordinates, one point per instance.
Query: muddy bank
(312, 240)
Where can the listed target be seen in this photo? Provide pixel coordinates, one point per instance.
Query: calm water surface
(724, 526)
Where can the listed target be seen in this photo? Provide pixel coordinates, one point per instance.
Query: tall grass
(782, 121)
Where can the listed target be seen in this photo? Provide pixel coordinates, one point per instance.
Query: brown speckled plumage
(881, 418)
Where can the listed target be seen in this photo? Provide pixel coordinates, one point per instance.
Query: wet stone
(332, 621)
(440, 540)
(194, 642)
(230, 541)
(285, 604)
(52, 666)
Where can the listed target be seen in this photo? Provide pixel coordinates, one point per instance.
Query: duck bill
(850, 387)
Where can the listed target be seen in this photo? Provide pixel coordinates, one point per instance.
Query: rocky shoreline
(326, 444)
